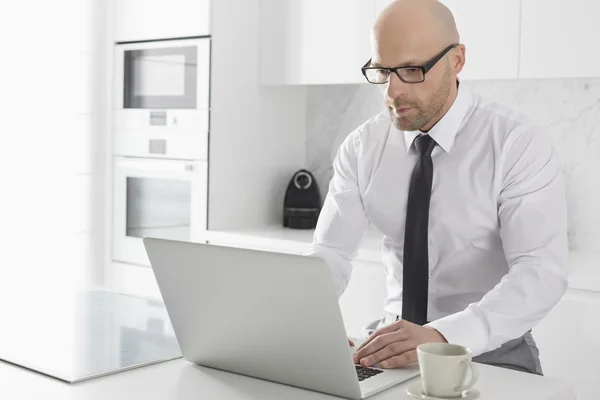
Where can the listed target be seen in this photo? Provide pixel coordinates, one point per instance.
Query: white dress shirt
(497, 221)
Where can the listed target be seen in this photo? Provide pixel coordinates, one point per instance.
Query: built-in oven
(161, 99)
(156, 198)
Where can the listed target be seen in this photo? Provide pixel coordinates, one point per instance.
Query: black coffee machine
(302, 203)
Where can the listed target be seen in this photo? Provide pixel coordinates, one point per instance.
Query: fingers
(379, 343)
(401, 360)
(394, 341)
(391, 350)
(351, 343)
(386, 329)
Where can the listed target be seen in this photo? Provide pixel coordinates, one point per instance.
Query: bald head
(412, 33)
(423, 22)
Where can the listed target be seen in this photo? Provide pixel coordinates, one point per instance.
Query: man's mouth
(402, 110)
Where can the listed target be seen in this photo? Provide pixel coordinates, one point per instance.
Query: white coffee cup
(444, 369)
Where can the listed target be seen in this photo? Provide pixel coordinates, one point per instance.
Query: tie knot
(424, 145)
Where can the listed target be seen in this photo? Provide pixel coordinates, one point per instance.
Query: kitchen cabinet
(314, 41)
(161, 19)
(490, 32)
(362, 301)
(560, 40)
(569, 342)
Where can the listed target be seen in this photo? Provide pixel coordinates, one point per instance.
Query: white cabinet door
(315, 41)
(560, 39)
(161, 19)
(569, 341)
(362, 302)
(489, 29)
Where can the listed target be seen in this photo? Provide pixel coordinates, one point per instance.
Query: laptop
(266, 315)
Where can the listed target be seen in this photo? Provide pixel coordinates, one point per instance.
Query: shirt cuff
(464, 328)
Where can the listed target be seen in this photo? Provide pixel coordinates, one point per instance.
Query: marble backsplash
(569, 110)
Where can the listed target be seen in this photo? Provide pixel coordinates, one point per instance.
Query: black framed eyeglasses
(409, 74)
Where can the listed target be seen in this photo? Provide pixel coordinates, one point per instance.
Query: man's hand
(395, 345)
(351, 343)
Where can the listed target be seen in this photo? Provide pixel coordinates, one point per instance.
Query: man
(467, 194)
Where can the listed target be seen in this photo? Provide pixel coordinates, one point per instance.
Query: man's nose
(396, 88)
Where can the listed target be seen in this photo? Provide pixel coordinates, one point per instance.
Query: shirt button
(430, 242)
(429, 303)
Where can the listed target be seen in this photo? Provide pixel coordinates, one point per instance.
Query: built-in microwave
(156, 198)
(161, 103)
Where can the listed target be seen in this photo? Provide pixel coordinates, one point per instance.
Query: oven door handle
(159, 165)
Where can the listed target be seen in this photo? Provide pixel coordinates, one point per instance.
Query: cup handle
(474, 376)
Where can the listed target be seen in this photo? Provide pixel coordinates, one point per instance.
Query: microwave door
(160, 78)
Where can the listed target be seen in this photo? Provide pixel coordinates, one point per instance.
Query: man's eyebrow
(409, 63)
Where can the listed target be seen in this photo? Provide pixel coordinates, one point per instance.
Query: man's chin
(403, 123)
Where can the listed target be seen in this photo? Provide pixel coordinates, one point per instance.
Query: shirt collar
(447, 127)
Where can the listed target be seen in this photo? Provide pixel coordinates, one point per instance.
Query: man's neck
(447, 105)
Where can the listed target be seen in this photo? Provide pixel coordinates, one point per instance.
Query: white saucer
(416, 391)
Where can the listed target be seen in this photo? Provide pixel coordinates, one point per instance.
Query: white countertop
(84, 334)
(584, 268)
(180, 380)
(95, 338)
(286, 240)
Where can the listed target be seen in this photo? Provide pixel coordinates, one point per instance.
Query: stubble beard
(425, 113)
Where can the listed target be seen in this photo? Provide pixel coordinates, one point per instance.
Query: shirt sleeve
(532, 214)
(342, 221)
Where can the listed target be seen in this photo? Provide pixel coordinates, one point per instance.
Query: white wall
(50, 165)
(256, 132)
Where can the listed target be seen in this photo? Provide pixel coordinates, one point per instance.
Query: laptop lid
(267, 315)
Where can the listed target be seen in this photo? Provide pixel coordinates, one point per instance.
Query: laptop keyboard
(365, 373)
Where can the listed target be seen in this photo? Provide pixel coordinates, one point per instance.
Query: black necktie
(415, 280)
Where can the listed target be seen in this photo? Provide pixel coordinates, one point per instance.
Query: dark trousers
(520, 354)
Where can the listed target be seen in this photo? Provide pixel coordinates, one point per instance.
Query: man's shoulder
(504, 122)
(495, 111)
(372, 129)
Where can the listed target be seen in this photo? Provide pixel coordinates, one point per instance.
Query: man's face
(414, 106)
